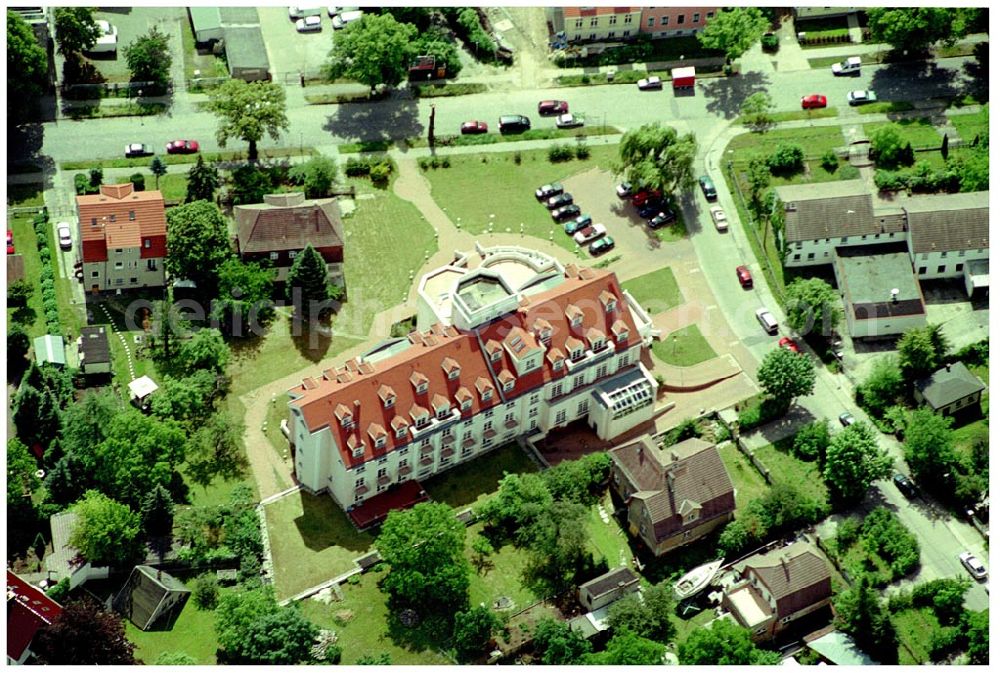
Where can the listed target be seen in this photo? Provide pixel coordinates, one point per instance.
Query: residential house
(65, 559)
(675, 21)
(278, 229)
(947, 231)
(28, 610)
(950, 389)
(50, 349)
(595, 24)
(881, 295)
(837, 648)
(151, 597)
(95, 350)
(608, 588)
(675, 495)
(774, 589)
(515, 347)
(123, 236)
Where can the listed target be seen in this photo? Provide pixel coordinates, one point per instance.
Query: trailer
(683, 78)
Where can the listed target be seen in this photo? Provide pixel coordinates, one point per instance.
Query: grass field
(968, 125)
(815, 140)
(193, 633)
(656, 291)
(915, 629)
(608, 539)
(492, 188)
(683, 348)
(746, 479)
(25, 196)
(503, 575)
(785, 467)
(24, 243)
(919, 132)
(467, 484)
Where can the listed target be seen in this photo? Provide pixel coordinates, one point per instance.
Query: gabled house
(774, 589)
(65, 559)
(949, 389)
(28, 610)
(674, 496)
(608, 588)
(151, 597)
(50, 349)
(123, 235)
(279, 229)
(95, 350)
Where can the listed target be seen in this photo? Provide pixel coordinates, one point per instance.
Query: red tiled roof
(28, 610)
(110, 210)
(288, 222)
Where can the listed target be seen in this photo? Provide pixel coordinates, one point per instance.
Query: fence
(115, 90)
(754, 460)
(776, 288)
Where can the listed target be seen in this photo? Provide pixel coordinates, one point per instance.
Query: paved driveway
(290, 51)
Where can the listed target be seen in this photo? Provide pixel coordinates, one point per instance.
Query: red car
(643, 195)
(182, 147)
(814, 100)
(10, 242)
(743, 275)
(474, 127)
(553, 107)
(785, 342)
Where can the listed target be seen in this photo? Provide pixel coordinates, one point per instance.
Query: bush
(44, 254)
(558, 153)
(944, 642)
(735, 537)
(446, 163)
(786, 159)
(96, 177)
(582, 152)
(380, 174)
(829, 161)
(42, 241)
(848, 172)
(761, 413)
(354, 580)
(138, 181)
(517, 158)
(847, 533)
(80, 183)
(205, 591)
(886, 537)
(422, 162)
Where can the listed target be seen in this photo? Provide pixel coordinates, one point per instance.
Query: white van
(767, 321)
(304, 11)
(345, 18)
(850, 66)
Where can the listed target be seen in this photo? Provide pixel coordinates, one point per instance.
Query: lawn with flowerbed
(747, 481)
(683, 348)
(804, 476)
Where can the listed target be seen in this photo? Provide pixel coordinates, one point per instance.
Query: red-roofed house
(123, 236)
(28, 610)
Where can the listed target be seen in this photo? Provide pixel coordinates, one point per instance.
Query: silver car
(973, 565)
(861, 96)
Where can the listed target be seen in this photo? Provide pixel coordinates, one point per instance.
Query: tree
(929, 446)
(883, 386)
(22, 482)
(734, 31)
(916, 353)
(811, 441)
(558, 644)
(149, 58)
(18, 345)
(435, 42)
(854, 460)
(186, 400)
(977, 630)
(757, 110)
(557, 543)
(374, 50)
(253, 629)
(27, 67)
(205, 591)
(175, 659)
(784, 375)
(84, 634)
(76, 29)
(36, 414)
(786, 159)
(519, 500)
(579, 480)
(202, 181)
(628, 649)
(19, 292)
(248, 110)
(217, 450)
(759, 179)
(158, 168)
(474, 629)
(887, 146)
(250, 183)
(861, 615)
(198, 241)
(654, 156)
(425, 549)
(381, 659)
(317, 175)
(206, 350)
(307, 280)
(244, 304)
(157, 512)
(811, 305)
(86, 422)
(915, 28)
(724, 644)
(106, 531)
(649, 617)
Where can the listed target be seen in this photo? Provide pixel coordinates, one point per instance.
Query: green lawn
(25, 196)
(656, 291)
(469, 483)
(683, 348)
(173, 186)
(277, 410)
(312, 541)
(193, 633)
(503, 575)
(815, 140)
(968, 125)
(746, 479)
(971, 434)
(24, 243)
(478, 186)
(919, 132)
(360, 621)
(915, 628)
(533, 134)
(608, 539)
(796, 115)
(785, 467)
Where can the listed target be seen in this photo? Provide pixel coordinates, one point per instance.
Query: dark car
(846, 419)
(474, 126)
(552, 107)
(662, 218)
(513, 124)
(566, 212)
(602, 245)
(576, 225)
(651, 208)
(708, 187)
(905, 486)
(549, 190)
(559, 200)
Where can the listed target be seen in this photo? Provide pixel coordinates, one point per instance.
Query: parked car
(649, 83)
(576, 225)
(568, 121)
(559, 200)
(767, 321)
(973, 565)
(10, 242)
(846, 419)
(707, 187)
(788, 344)
(183, 146)
(624, 189)
(309, 24)
(651, 208)
(65, 235)
(474, 126)
(138, 150)
(546, 191)
(552, 107)
(513, 124)
(639, 198)
(743, 275)
(304, 11)
(849, 66)
(566, 212)
(334, 11)
(813, 101)
(601, 245)
(905, 486)
(861, 96)
(345, 18)
(719, 218)
(588, 234)
(662, 218)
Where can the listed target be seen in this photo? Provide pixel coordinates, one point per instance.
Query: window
(382, 472)
(389, 402)
(664, 20)
(579, 23)
(535, 397)
(612, 20)
(421, 388)
(118, 265)
(113, 217)
(358, 497)
(495, 355)
(961, 253)
(843, 239)
(922, 270)
(798, 245)
(602, 371)
(944, 254)
(578, 381)
(93, 221)
(696, 18)
(864, 237)
(626, 33)
(593, 21)
(443, 412)
(796, 257)
(508, 386)
(557, 390)
(118, 251)
(466, 404)
(623, 361)
(358, 450)
(941, 269)
(150, 265)
(488, 394)
(401, 432)
(709, 15)
(577, 320)
(133, 281)
(593, 36)
(628, 18)
(651, 22)
(959, 267)
(923, 256)
(680, 19)
(426, 441)
(131, 215)
(360, 468)
(560, 417)
(533, 412)
(146, 243)
(292, 254)
(582, 407)
(489, 413)
(273, 256)
(380, 442)
(811, 255)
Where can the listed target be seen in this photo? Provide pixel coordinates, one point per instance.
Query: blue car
(576, 225)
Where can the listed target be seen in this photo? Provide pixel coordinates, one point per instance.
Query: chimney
(670, 481)
(947, 367)
(894, 294)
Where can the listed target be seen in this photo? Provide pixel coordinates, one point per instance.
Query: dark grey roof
(609, 581)
(94, 344)
(868, 274)
(796, 576)
(288, 222)
(831, 210)
(140, 598)
(945, 222)
(245, 48)
(948, 385)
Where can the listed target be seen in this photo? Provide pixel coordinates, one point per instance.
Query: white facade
(946, 264)
(124, 269)
(823, 250)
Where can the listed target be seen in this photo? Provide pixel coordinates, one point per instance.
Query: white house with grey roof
(946, 232)
(949, 389)
(881, 295)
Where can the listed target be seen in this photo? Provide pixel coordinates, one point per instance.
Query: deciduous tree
(217, 450)
(811, 441)
(915, 28)
(734, 31)
(198, 243)
(578, 480)
(374, 50)
(175, 659)
(149, 58)
(106, 531)
(883, 386)
(244, 303)
(558, 644)
(248, 110)
(187, 400)
(812, 305)
(76, 29)
(655, 156)
(473, 630)
(36, 415)
(205, 350)
(784, 375)
(202, 181)
(759, 179)
(253, 629)
(757, 110)
(649, 617)
(316, 175)
(84, 634)
(917, 357)
(723, 644)
(519, 500)
(977, 630)
(861, 615)
(628, 649)
(557, 544)
(854, 460)
(929, 447)
(887, 146)
(27, 66)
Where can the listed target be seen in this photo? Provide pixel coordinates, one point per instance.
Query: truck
(683, 78)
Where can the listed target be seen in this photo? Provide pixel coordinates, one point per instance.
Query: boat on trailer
(696, 580)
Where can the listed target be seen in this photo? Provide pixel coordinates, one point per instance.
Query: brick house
(675, 21)
(123, 235)
(674, 496)
(278, 229)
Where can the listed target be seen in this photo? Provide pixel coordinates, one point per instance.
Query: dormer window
(419, 382)
(508, 386)
(451, 368)
(441, 406)
(380, 442)
(506, 380)
(390, 402)
(388, 396)
(488, 394)
(620, 330)
(466, 404)
(358, 451)
(608, 301)
(577, 320)
(557, 365)
(343, 414)
(574, 315)
(401, 430)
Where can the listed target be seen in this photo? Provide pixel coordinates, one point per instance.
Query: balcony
(510, 423)
(447, 452)
(384, 480)
(489, 433)
(468, 442)
(405, 469)
(427, 459)
(448, 437)
(360, 490)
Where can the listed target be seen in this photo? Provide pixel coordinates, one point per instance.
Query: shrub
(786, 159)
(944, 642)
(42, 241)
(138, 181)
(847, 533)
(582, 152)
(434, 162)
(205, 591)
(558, 153)
(422, 162)
(735, 537)
(446, 163)
(354, 580)
(829, 161)
(44, 254)
(811, 441)
(517, 158)
(80, 183)
(47, 283)
(380, 174)
(848, 172)
(96, 177)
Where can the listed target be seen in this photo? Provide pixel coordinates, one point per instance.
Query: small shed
(140, 389)
(949, 389)
(608, 588)
(51, 349)
(683, 78)
(95, 350)
(150, 597)
(206, 23)
(839, 649)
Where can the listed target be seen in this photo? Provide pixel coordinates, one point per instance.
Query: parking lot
(133, 22)
(289, 51)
